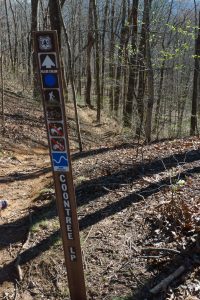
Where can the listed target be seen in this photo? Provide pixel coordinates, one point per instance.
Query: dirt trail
(24, 174)
(19, 179)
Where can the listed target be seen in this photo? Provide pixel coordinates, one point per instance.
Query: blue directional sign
(50, 80)
(60, 161)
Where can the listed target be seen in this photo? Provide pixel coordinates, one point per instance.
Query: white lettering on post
(67, 207)
(72, 253)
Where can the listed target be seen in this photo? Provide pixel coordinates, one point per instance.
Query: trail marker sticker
(58, 144)
(56, 129)
(47, 54)
(54, 113)
(45, 43)
(48, 61)
(52, 97)
(60, 162)
(50, 80)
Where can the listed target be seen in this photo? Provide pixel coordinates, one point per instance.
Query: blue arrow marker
(50, 80)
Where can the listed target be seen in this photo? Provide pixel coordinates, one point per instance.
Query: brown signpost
(47, 54)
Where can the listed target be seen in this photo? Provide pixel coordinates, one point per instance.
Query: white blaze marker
(48, 63)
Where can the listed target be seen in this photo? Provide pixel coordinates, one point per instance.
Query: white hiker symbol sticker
(52, 97)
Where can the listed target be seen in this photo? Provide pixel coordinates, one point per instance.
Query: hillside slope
(138, 208)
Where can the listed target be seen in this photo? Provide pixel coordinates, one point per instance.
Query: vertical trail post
(48, 61)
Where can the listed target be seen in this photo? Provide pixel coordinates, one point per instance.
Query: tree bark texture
(34, 23)
(111, 56)
(150, 74)
(127, 115)
(117, 91)
(193, 124)
(97, 61)
(90, 43)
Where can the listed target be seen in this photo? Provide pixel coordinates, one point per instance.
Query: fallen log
(165, 282)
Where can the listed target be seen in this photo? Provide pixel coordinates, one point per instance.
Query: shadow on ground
(87, 192)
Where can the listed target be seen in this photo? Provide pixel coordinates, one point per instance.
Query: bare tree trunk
(97, 61)
(26, 40)
(90, 42)
(71, 76)
(181, 107)
(150, 74)
(44, 15)
(16, 37)
(34, 9)
(55, 24)
(9, 35)
(141, 76)
(103, 49)
(193, 124)
(127, 114)
(160, 88)
(111, 56)
(54, 18)
(120, 57)
(80, 42)
(2, 94)
(125, 65)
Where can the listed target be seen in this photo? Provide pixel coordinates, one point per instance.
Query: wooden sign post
(47, 53)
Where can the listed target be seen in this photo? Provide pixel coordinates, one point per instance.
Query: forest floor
(138, 209)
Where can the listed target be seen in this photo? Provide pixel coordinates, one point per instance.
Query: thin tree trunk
(150, 74)
(181, 105)
(2, 95)
(27, 40)
(54, 18)
(97, 61)
(160, 87)
(193, 124)
(71, 77)
(90, 42)
(141, 76)
(120, 57)
(111, 56)
(9, 35)
(133, 68)
(103, 49)
(157, 113)
(34, 8)
(16, 37)
(79, 84)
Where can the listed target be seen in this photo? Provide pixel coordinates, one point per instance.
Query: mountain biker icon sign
(58, 144)
(56, 129)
